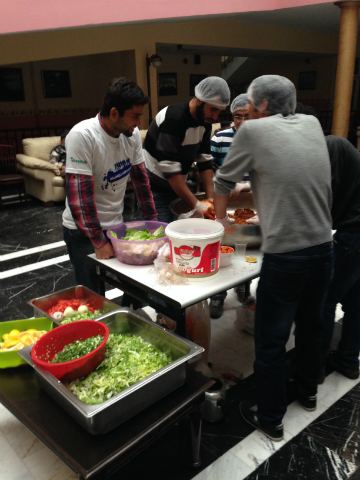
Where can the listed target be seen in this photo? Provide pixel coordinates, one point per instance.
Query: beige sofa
(42, 179)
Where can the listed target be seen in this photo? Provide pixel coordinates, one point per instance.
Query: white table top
(193, 291)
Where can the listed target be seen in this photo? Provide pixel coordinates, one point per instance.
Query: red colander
(54, 341)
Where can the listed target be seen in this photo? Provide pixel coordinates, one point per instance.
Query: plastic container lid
(194, 229)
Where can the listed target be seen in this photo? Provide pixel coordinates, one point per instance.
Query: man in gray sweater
(288, 163)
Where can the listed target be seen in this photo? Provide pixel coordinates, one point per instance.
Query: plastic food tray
(12, 359)
(41, 305)
(102, 417)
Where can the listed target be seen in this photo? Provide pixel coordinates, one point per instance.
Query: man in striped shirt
(178, 136)
(100, 155)
(220, 144)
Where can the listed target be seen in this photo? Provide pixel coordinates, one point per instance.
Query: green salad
(77, 349)
(82, 316)
(132, 234)
(128, 359)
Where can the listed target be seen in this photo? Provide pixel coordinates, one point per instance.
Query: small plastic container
(140, 252)
(12, 359)
(53, 342)
(226, 258)
(195, 246)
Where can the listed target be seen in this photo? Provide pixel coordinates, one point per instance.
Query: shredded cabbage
(128, 360)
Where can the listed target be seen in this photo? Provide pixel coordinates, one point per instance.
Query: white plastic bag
(166, 273)
(246, 318)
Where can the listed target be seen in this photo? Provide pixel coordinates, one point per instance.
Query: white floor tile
(226, 467)
(11, 465)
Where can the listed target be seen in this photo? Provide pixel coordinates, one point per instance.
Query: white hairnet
(213, 90)
(239, 102)
(279, 91)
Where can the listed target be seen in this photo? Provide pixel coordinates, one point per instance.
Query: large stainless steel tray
(249, 234)
(41, 305)
(105, 416)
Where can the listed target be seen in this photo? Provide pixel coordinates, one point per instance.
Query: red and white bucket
(195, 246)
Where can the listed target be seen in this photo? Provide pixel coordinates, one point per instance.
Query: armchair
(42, 179)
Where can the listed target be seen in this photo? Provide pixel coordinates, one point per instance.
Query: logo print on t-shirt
(122, 169)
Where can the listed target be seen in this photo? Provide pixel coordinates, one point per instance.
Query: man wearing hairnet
(220, 144)
(288, 163)
(178, 136)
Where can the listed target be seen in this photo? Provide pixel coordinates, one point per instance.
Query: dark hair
(225, 123)
(64, 133)
(123, 94)
(305, 109)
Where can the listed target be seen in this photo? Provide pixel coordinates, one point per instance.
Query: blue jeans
(345, 289)
(162, 199)
(79, 247)
(292, 286)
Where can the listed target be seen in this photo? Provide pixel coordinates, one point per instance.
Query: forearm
(142, 191)
(207, 180)
(179, 186)
(220, 203)
(80, 196)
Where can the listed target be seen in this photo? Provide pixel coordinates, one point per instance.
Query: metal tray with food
(249, 234)
(102, 417)
(94, 302)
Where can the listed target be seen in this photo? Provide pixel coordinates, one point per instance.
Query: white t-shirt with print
(91, 151)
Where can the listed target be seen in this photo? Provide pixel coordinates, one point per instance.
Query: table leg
(195, 438)
(180, 317)
(247, 289)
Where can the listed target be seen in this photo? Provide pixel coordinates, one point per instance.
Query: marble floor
(318, 445)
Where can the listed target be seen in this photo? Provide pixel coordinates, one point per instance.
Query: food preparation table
(141, 288)
(96, 457)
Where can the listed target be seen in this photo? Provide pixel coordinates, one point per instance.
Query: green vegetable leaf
(113, 234)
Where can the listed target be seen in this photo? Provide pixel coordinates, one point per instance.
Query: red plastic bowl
(54, 341)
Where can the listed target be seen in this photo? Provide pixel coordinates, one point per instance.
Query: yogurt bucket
(195, 246)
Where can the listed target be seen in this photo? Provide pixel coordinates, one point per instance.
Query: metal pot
(249, 234)
(213, 410)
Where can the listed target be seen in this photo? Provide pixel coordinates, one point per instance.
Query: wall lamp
(156, 61)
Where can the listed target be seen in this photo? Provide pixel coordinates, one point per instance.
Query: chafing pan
(105, 416)
(41, 305)
(250, 234)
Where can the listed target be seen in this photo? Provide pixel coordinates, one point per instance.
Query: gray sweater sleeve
(237, 161)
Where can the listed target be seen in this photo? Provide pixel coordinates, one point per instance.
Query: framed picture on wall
(167, 84)
(11, 85)
(194, 80)
(307, 80)
(56, 83)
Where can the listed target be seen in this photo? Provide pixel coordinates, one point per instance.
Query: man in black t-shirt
(178, 136)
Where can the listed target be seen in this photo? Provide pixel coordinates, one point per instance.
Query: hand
(254, 220)
(227, 223)
(62, 171)
(202, 206)
(104, 252)
(239, 187)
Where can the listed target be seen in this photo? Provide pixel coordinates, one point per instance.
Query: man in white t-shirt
(101, 153)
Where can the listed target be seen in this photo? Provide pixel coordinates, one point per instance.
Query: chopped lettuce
(144, 234)
(113, 234)
(127, 360)
(82, 316)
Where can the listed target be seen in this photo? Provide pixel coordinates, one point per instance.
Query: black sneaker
(342, 367)
(308, 403)
(249, 414)
(216, 307)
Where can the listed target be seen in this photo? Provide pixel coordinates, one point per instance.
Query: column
(345, 66)
(141, 79)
